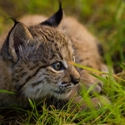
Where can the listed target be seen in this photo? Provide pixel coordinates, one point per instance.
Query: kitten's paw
(97, 84)
(97, 88)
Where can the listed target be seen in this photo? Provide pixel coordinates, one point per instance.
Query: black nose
(75, 80)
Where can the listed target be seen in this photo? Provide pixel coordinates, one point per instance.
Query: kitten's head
(39, 55)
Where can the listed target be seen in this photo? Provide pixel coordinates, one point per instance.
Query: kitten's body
(27, 68)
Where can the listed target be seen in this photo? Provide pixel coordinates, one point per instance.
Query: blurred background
(103, 18)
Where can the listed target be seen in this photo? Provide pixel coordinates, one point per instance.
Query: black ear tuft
(15, 21)
(55, 19)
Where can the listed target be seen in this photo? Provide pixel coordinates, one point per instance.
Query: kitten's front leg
(78, 103)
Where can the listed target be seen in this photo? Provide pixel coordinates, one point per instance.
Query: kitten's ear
(17, 37)
(55, 19)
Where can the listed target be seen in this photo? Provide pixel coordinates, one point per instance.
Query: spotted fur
(29, 52)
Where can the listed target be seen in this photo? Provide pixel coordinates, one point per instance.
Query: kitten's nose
(75, 81)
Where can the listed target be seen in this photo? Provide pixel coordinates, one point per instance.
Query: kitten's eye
(58, 66)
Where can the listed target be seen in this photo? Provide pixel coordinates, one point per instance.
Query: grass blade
(5, 91)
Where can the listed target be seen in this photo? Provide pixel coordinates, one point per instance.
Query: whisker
(58, 101)
(54, 101)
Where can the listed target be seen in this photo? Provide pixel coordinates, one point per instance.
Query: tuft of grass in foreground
(106, 19)
(112, 112)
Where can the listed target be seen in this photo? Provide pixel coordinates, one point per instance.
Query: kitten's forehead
(52, 43)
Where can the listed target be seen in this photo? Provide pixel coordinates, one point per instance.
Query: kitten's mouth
(62, 91)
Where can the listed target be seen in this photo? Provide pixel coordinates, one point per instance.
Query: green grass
(106, 20)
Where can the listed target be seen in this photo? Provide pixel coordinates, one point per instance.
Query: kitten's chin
(61, 94)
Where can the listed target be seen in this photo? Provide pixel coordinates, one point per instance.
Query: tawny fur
(87, 54)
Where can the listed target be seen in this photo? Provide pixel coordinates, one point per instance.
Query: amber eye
(58, 66)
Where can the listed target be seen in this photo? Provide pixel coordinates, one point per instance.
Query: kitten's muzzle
(75, 76)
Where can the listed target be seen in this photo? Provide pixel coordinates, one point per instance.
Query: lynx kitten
(34, 61)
